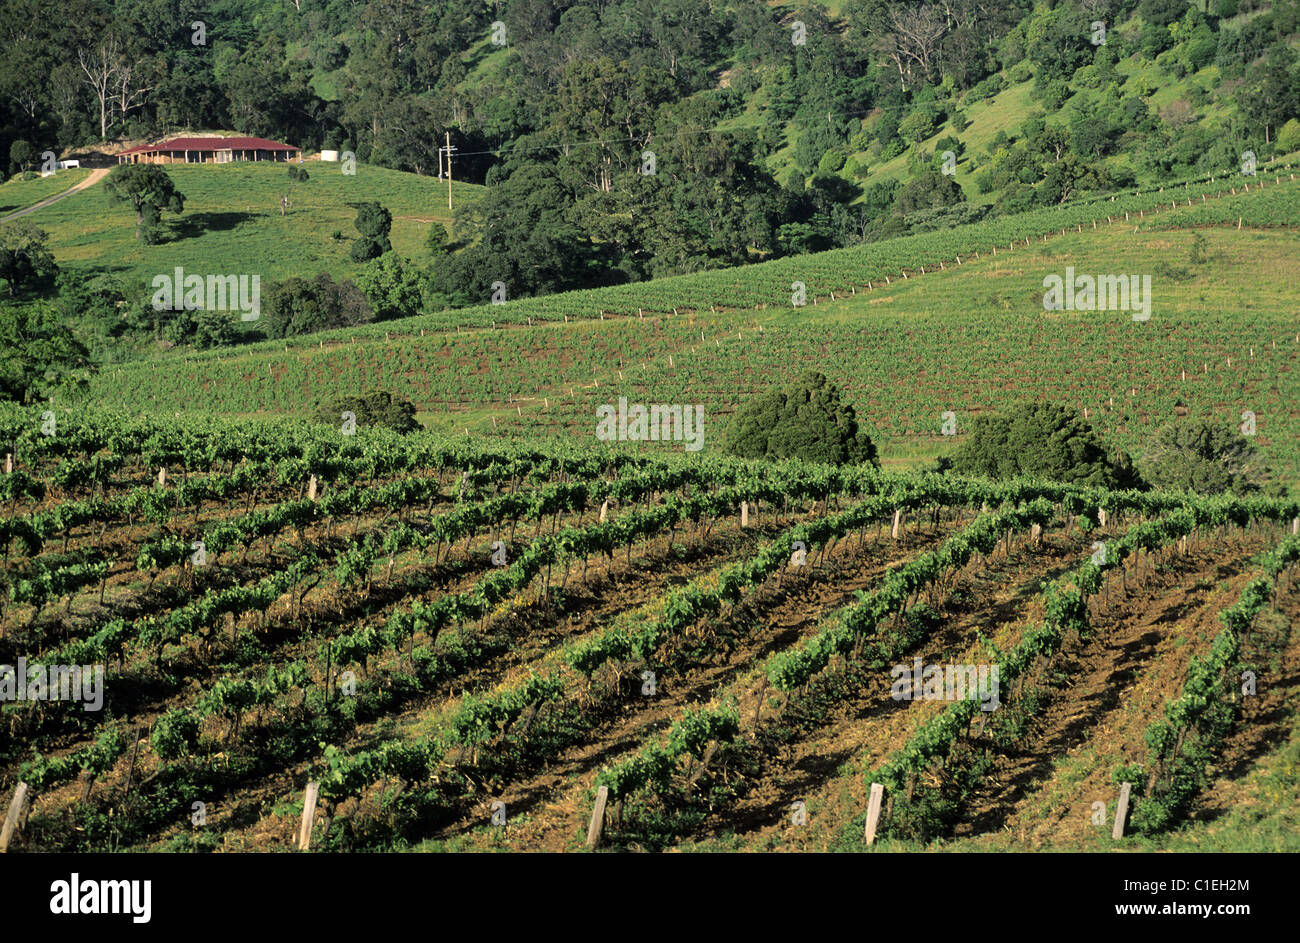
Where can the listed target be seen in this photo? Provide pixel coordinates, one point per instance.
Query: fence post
(1121, 811)
(597, 817)
(308, 816)
(11, 819)
(873, 812)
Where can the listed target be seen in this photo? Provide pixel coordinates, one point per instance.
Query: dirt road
(96, 175)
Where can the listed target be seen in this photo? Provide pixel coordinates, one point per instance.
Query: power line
(546, 147)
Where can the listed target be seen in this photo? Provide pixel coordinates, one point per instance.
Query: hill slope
(968, 338)
(232, 222)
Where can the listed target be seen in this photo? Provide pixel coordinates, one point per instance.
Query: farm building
(209, 151)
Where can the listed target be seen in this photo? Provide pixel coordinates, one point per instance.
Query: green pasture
(232, 222)
(18, 194)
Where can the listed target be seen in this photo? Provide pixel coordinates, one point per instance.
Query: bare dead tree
(1095, 9)
(129, 93)
(101, 66)
(914, 37)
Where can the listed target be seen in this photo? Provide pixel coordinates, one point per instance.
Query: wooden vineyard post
(703, 768)
(597, 817)
(311, 489)
(308, 816)
(744, 513)
(604, 510)
(130, 767)
(1295, 525)
(1036, 533)
(1121, 811)
(162, 477)
(11, 818)
(873, 813)
(9, 463)
(898, 523)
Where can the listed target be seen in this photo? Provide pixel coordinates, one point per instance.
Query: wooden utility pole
(449, 170)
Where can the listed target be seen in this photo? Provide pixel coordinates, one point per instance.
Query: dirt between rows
(1267, 723)
(865, 723)
(1043, 793)
(1135, 659)
(249, 818)
(459, 571)
(555, 803)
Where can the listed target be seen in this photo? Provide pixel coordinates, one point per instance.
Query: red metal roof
(212, 144)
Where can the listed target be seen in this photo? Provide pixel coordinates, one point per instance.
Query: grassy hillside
(17, 193)
(968, 338)
(232, 222)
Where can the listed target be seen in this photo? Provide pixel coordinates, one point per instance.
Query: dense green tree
(374, 223)
(950, 142)
(436, 240)
(187, 94)
(1201, 457)
(805, 419)
(1043, 440)
(1271, 93)
(303, 306)
(1288, 136)
(199, 328)
(1238, 46)
(97, 301)
(268, 93)
(149, 191)
(21, 155)
(38, 354)
(1058, 40)
(917, 126)
(757, 32)
(1196, 43)
(930, 190)
(521, 236)
(393, 285)
(25, 257)
(377, 408)
(1161, 12)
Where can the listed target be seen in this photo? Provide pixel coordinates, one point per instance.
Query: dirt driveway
(94, 178)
